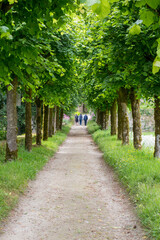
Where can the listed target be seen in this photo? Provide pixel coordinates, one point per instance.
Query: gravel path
(75, 197)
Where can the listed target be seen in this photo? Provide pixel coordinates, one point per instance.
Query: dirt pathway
(75, 197)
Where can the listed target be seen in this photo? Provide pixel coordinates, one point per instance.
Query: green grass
(140, 173)
(92, 126)
(14, 176)
(148, 133)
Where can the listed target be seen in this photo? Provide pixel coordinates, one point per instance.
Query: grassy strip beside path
(139, 172)
(14, 176)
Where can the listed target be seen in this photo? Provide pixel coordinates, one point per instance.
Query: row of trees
(121, 66)
(44, 58)
(38, 62)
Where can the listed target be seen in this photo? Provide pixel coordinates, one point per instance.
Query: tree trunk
(101, 119)
(57, 118)
(113, 118)
(157, 127)
(11, 141)
(137, 132)
(119, 136)
(107, 118)
(38, 121)
(50, 122)
(61, 119)
(28, 122)
(104, 120)
(98, 117)
(125, 121)
(45, 122)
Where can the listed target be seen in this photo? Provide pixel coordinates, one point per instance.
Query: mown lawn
(14, 176)
(139, 172)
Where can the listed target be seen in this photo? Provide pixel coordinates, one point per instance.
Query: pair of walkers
(80, 118)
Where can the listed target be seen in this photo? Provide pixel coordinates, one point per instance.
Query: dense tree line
(38, 63)
(52, 56)
(122, 64)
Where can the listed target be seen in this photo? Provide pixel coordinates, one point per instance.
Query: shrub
(92, 126)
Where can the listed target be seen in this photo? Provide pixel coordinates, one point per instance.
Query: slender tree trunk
(157, 127)
(101, 119)
(98, 116)
(11, 141)
(119, 136)
(38, 121)
(28, 122)
(137, 132)
(125, 120)
(50, 122)
(61, 119)
(104, 120)
(45, 122)
(57, 118)
(107, 118)
(113, 118)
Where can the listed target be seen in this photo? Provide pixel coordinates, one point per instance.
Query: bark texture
(28, 122)
(98, 117)
(113, 118)
(104, 120)
(50, 132)
(123, 93)
(45, 122)
(107, 119)
(38, 121)
(119, 136)
(157, 127)
(57, 118)
(11, 141)
(137, 132)
(101, 118)
(61, 119)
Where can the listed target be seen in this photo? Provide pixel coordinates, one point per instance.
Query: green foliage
(139, 172)
(14, 176)
(78, 113)
(135, 29)
(92, 126)
(102, 8)
(118, 55)
(147, 16)
(40, 55)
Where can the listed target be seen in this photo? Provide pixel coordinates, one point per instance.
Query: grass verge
(14, 176)
(140, 173)
(92, 126)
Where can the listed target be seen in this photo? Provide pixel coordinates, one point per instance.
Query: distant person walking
(85, 119)
(76, 119)
(80, 119)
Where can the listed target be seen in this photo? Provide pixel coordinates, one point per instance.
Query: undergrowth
(14, 176)
(92, 126)
(139, 172)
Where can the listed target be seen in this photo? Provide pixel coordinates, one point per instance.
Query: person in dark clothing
(85, 119)
(80, 119)
(76, 119)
